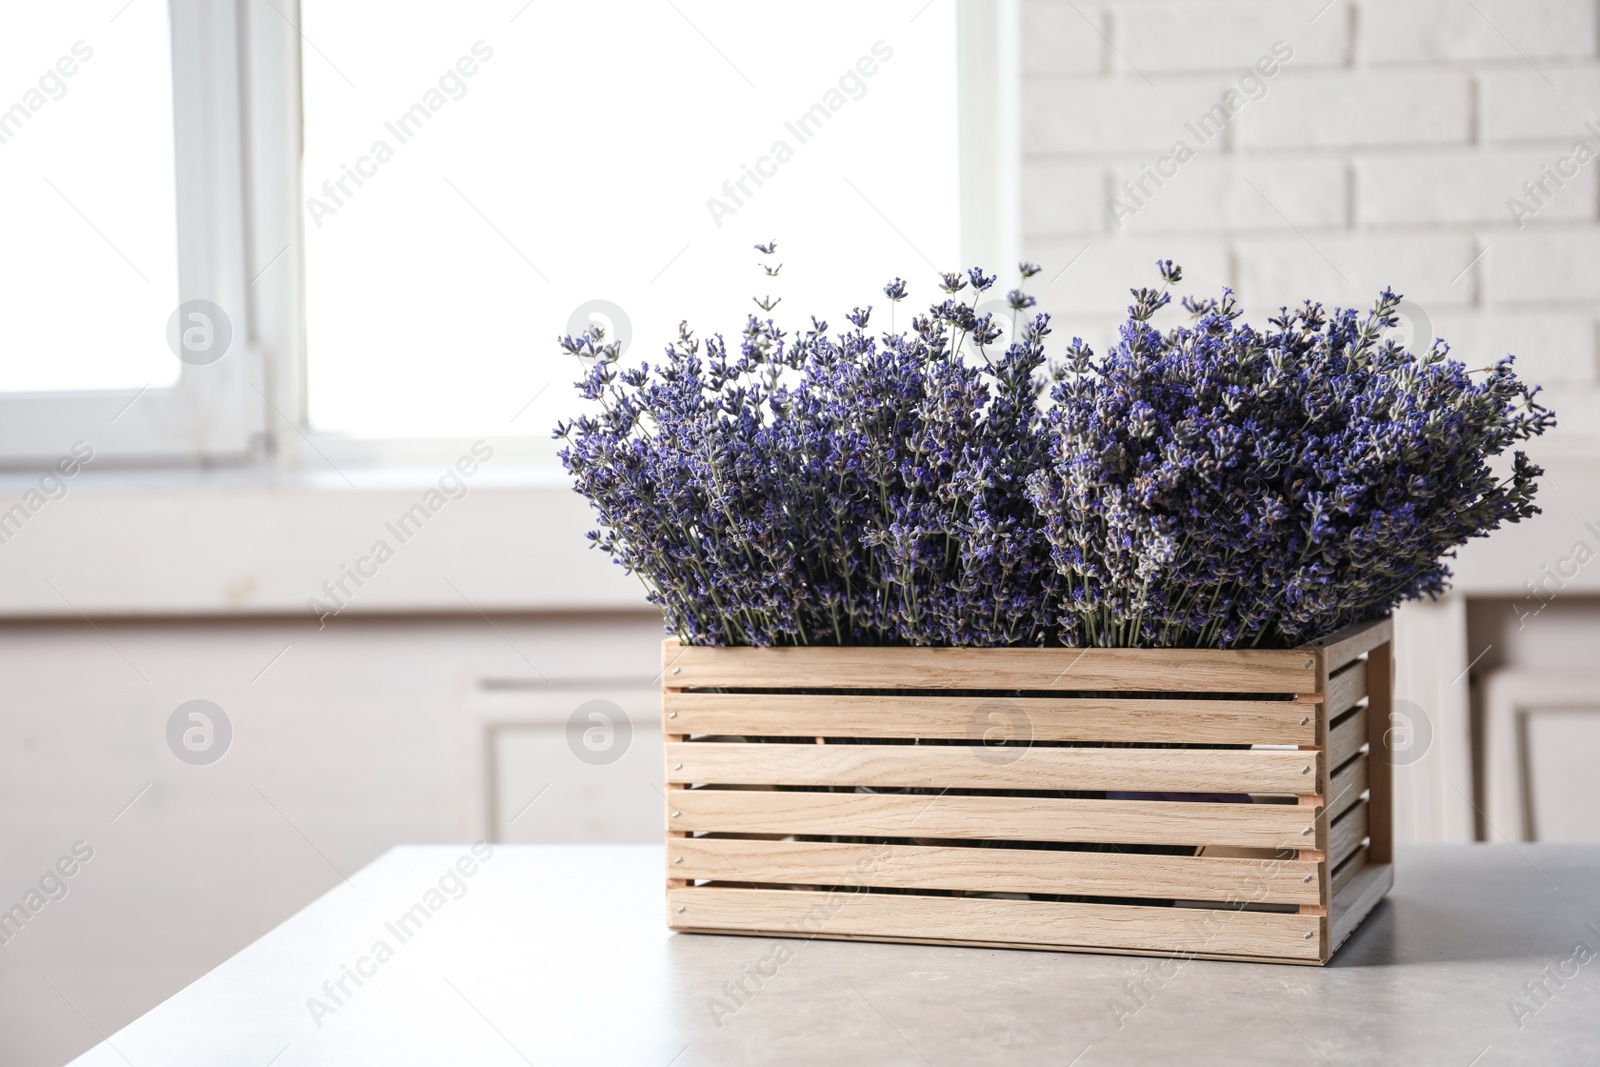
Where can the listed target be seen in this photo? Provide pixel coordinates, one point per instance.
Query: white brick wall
(1433, 30)
(1386, 150)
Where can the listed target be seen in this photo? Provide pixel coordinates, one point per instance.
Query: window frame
(212, 415)
(238, 125)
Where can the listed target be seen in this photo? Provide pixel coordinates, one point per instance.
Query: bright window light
(89, 260)
(480, 176)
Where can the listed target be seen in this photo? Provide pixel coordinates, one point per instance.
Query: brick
(1062, 198)
(1520, 105)
(1542, 267)
(1351, 270)
(1119, 115)
(1097, 284)
(1232, 194)
(1577, 409)
(1481, 29)
(1551, 349)
(1322, 110)
(1471, 187)
(1057, 39)
(1227, 36)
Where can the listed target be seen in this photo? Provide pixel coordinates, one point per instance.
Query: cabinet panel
(1561, 749)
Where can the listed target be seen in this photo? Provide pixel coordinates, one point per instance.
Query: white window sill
(256, 541)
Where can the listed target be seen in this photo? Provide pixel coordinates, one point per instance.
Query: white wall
(1384, 151)
(359, 737)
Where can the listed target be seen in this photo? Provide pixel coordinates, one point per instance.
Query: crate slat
(1346, 787)
(1155, 721)
(1149, 822)
(995, 870)
(1355, 895)
(1346, 645)
(969, 767)
(1348, 870)
(1086, 927)
(1116, 669)
(1347, 689)
(1380, 776)
(1347, 834)
(1346, 738)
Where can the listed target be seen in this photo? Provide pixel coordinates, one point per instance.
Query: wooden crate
(848, 793)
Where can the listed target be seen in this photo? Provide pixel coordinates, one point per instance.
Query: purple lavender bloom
(1215, 486)
(1207, 486)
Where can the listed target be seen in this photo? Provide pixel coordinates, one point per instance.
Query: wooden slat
(1058, 669)
(1087, 927)
(969, 767)
(1346, 787)
(984, 817)
(1343, 646)
(1380, 775)
(1346, 738)
(1352, 867)
(1347, 688)
(1354, 898)
(1200, 722)
(994, 870)
(1347, 834)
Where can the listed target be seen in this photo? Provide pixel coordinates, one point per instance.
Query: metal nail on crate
(844, 795)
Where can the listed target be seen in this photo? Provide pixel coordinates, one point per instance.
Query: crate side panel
(1347, 688)
(1346, 739)
(1347, 834)
(1355, 898)
(1346, 787)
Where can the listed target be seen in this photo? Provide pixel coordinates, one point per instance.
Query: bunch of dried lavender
(1205, 486)
(1211, 486)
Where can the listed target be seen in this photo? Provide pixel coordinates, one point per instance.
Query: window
(271, 228)
(482, 178)
(99, 267)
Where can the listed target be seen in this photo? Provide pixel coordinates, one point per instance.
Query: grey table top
(559, 954)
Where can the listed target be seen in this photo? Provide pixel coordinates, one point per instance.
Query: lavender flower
(1208, 486)
(1213, 486)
